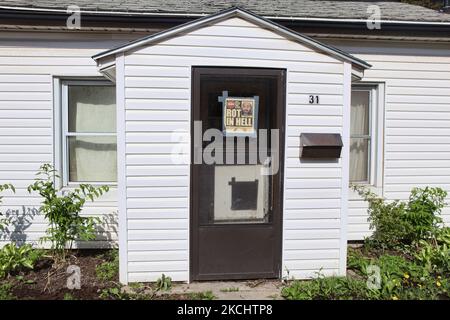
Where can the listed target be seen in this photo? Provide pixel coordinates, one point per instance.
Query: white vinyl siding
(417, 120)
(157, 101)
(28, 63)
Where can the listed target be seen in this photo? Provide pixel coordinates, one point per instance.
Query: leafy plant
(400, 278)
(398, 275)
(116, 293)
(357, 261)
(321, 288)
(112, 293)
(434, 257)
(68, 296)
(4, 221)
(423, 208)
(108, 270)
(13, 258)
(164, 283)
(22, 279)
(207, 295)
(442, 236)
(398, 224)
(63, 210)
(136, 285)
(5, 292)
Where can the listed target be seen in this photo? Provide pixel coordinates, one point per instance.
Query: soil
(48, 280)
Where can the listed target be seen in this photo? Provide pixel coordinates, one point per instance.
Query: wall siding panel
(28, 63)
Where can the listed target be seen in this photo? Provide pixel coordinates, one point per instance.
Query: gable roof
(274, 9)
(243, 14)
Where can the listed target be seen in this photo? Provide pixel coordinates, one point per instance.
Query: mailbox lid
(320, 140)
(320, 145)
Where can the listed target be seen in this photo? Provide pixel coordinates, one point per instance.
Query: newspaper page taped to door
(240, 117)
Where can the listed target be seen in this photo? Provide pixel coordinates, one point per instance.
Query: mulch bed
(48, 281)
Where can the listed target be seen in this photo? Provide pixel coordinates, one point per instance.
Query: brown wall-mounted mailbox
(320, 145)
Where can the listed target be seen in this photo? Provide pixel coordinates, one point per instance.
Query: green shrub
(442, 236)
(423, 208)
(63, 210)
(434, 254)
(108, 270)
(398, 275)
(435, 258)
(14, 258)
(357, 261)
(413, 229)
(399, 224)
(326, 288)
(400, 278)
(5, 292)
(114, 293)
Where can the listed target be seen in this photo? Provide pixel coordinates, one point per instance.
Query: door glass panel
(241, 194)
(236, 191)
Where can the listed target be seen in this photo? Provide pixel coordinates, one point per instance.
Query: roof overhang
(100, 58)
(148, 14)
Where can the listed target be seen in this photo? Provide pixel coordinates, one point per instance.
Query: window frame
(65, 133)
(376, 131)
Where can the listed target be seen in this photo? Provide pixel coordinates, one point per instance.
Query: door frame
(196, 72)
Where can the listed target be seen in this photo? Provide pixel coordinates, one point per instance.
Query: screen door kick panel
(235, 219)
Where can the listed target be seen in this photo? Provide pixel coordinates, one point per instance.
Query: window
(365, 131)
(89, 146)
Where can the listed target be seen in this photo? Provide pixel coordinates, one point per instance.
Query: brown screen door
(235, 209)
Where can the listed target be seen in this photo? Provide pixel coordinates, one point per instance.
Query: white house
(119, 99)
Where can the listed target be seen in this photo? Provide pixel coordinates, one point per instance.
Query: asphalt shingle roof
(334, 9)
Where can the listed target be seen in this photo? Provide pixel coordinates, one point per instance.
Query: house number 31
(313, 99)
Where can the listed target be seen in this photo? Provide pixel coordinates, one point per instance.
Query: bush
(14, 258)
(423, 208)
(5, 292)
(398, 223)
(442, 236)
(63, 211)
(435, 258)
(321, 288)
(400, 278)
